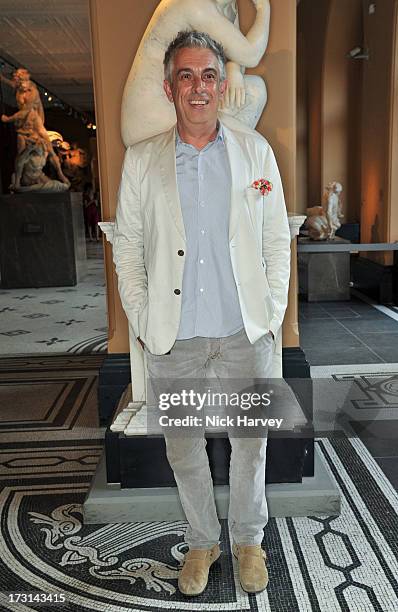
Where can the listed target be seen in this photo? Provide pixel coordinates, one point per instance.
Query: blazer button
(180, 252)
(177, 291)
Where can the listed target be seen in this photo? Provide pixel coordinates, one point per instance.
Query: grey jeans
(230, 357)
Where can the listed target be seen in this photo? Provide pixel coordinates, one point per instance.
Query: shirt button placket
(201, 217)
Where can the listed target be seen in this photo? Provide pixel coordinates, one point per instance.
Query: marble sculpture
(145, 108)
(323, 221)
(34, 146)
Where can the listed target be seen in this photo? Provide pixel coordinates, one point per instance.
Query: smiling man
(203, 263)
(193, 85)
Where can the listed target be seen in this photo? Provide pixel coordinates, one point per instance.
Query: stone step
(109, 503)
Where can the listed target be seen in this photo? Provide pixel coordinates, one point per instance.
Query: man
(203, 264)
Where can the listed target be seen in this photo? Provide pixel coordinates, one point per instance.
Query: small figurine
(323, 221)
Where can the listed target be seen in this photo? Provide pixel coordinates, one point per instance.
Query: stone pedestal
(290, 330)
(42, 240)
(324, 276)
(109, 503)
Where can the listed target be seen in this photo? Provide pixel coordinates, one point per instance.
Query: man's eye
(186, 76)
(209, 76)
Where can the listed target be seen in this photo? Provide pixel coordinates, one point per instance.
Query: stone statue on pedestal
(323, 221)
(145, 108)
(33, 143)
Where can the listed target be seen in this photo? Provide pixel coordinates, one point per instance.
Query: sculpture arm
(244, 50)
(14, 117)
(128, 243)
(276, 242)
(236, 93)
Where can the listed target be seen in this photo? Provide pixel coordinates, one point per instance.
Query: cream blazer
(149, 233)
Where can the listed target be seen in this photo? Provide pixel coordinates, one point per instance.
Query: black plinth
(42, 241)
(324, 276)
(114, 376)
(296, 371)
(143, 463)
(378, 281)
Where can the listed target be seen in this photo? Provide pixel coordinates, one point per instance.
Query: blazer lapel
(237, 181)
(169, 180)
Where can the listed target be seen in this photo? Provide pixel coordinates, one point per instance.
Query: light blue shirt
(210, 303)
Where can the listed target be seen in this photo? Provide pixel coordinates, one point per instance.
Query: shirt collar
(219, 137)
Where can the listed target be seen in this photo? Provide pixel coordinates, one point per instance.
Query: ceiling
(51, 38)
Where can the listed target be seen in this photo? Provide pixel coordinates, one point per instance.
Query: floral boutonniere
(262, 185)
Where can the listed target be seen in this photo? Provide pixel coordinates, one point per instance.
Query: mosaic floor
(57, 319)
(48, 457)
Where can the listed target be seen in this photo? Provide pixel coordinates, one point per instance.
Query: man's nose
(198, 84)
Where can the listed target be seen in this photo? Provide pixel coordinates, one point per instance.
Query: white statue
(33, 142)
(323, 221)
(334, 209)
(145, 108)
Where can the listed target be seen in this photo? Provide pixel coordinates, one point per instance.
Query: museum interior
(90, 513)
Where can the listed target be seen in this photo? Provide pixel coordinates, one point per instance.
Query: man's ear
(168, 91)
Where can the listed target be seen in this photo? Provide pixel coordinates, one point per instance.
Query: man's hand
(235, 95)
(141, 342)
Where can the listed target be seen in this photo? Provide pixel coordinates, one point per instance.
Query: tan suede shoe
(193, 577)
(253, 574)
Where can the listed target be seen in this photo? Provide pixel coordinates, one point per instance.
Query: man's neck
(198, 136)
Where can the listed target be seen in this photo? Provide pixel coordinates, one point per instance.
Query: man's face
(196, 87)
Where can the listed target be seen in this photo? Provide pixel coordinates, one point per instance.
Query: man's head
(194, 67)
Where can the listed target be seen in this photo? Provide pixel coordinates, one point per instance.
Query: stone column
(290, 332)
